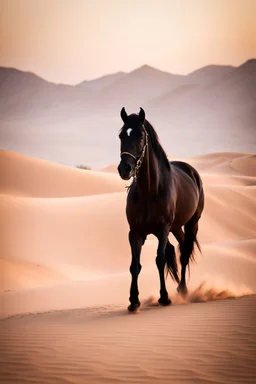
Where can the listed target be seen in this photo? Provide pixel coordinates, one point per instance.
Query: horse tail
(187, 248)
(171, 262)
(197, 244)
(191, 228)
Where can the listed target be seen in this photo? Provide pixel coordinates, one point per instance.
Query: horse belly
(185, 209)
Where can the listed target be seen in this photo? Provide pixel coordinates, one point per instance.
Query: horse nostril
(128, 168)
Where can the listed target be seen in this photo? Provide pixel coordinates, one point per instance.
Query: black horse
(163, 197)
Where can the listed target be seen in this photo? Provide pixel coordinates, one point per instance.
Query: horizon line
(124, 72)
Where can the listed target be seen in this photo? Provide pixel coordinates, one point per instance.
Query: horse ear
(142, 115)
(123, 115)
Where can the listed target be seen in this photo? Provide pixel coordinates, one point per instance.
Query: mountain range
(210, 109)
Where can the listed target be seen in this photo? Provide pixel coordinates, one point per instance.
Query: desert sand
(65, 280)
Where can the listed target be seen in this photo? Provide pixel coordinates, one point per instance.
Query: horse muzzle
(125, 170)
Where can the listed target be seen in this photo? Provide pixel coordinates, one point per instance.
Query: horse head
(134, 140)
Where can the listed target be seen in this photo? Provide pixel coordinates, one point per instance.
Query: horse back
(183, 168)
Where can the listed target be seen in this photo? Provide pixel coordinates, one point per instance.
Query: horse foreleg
(136, 243)
(160, 262)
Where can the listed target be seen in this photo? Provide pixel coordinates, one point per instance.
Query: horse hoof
(133, 308)
(164, 302)
(182, 290)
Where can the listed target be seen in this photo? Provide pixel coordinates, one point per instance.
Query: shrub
(85, 167)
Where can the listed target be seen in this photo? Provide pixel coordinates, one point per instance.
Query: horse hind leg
(187, 250)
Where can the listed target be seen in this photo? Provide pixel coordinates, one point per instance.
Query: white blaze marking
(129, 131)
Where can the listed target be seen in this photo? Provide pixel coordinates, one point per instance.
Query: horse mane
(155, 143)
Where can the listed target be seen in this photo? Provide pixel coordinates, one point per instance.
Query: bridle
(139, 161)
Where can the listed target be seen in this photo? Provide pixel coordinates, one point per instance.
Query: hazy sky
(72, 40)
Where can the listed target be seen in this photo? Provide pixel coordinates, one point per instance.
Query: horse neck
(148, 178)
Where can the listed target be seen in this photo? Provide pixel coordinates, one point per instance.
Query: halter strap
(128, 153)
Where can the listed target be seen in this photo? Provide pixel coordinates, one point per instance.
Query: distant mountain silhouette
(26, 94)
(213, 107)
(101, 83)
(138, 86)
(209, 74)
(230, 90)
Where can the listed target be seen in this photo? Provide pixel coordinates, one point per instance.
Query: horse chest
(146, 217)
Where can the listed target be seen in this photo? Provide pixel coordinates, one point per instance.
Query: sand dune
(21, 274)
(68, 230)
(65, 280)
(25, 176)
(224, 162)
(94, 287)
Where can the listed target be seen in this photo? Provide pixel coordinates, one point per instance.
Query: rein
(141, 158)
